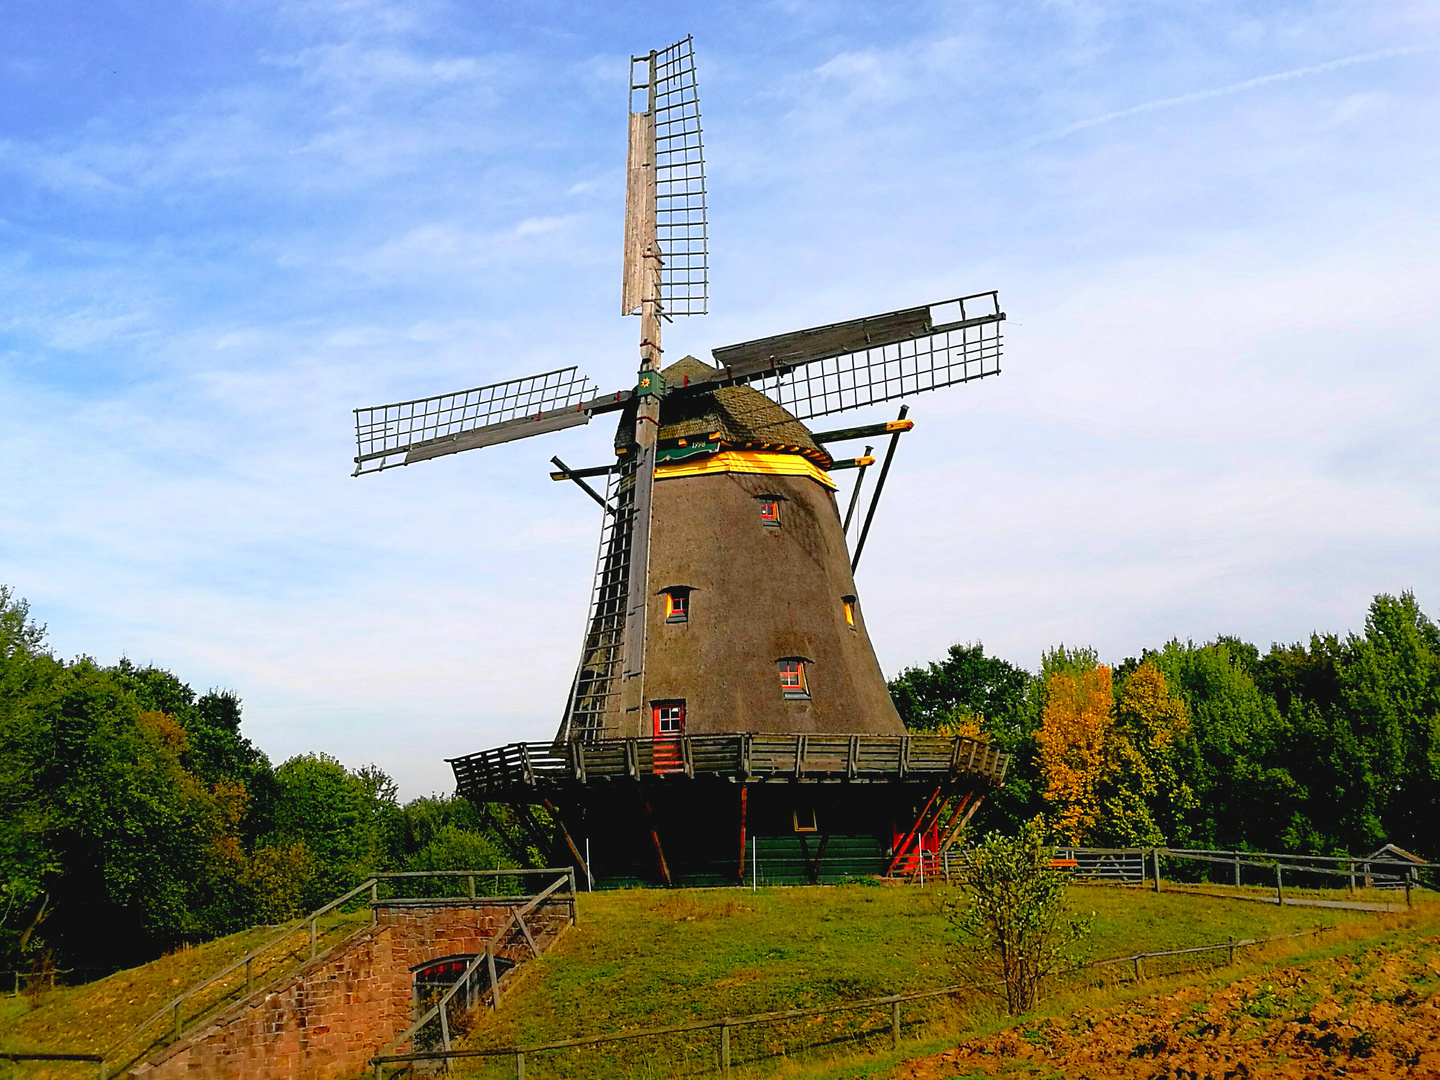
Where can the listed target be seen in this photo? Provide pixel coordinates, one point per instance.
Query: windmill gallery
(719, 729)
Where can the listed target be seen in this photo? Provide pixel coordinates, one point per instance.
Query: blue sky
(224, 225)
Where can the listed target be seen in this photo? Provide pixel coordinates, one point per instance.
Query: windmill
(724, 649)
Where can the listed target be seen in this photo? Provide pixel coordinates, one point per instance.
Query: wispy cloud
(1226, 91)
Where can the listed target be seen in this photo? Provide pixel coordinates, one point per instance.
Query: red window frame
(665, 713)
(769, 509)
(792, 674)
(677, 604)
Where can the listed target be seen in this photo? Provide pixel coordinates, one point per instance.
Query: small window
(805, 819)
(669, 719)
(769, 511)
(677, 605)
(849, 602)
(793, 684)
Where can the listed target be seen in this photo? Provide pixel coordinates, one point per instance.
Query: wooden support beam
(904, 845)
(566, 473)
(855, 494)
(869, 431)
(744, 795)
(565, 835)
(879, 487)
(542, 842)
(654, 834)
(526, 931)
(511, 845)
(861, 462)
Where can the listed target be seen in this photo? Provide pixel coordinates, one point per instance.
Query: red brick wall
(327, 1019)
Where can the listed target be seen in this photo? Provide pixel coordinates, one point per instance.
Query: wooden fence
(725, 1025)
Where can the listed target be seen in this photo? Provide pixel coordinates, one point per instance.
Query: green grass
(644, 959)
(647, 958)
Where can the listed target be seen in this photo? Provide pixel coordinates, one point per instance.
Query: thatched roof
(739, 415)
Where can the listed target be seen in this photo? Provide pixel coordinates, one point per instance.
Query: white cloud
(1216, 414)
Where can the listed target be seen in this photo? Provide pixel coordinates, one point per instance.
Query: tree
(969, 693)
(1012, 914)
(1073, 740)
(1142, 796)
(1235, 758)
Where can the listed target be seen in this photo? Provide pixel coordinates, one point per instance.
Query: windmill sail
(848, 365)
(665, 185)
(411, 431)
(594, 701)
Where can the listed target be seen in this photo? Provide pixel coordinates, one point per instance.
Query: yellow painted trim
(757, 462)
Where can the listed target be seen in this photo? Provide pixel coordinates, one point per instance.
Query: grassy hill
(647, 958)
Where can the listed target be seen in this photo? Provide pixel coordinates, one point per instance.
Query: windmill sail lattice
(409, 431)
(675, 207)
(849, 365)
(595, 689)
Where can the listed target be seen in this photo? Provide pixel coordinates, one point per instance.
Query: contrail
(1224, 91)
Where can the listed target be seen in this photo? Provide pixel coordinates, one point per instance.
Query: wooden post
(248, 961)
(894, 1024)
(1279, 886)
(1232, 948)
(312, 939)
(725, 1051)
(494, 982)
(374, 899)
(472, 886)
(1237, 871)
(755, 864)
(177, 1020)
(445, 1033)
(519, 1065)
(1352, 877)
(1408, 904)
(1136, 960)
(744, 794)
(1156, 853)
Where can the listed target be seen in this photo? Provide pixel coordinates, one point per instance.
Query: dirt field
(1372, 1012)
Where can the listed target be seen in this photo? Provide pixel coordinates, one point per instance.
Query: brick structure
(327, 1019)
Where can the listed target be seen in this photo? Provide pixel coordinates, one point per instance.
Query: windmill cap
(739, 414)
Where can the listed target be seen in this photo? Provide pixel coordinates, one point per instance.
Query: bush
(1012, 914)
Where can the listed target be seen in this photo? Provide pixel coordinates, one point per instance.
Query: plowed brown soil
(1375, 1013)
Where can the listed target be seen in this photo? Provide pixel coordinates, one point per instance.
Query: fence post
(494, 982)
(177, 1019)
(1156, 853)
(1352, 876)
(725, 1051)
(1136, 959)
(519, 1065)
(1237, 871)
(1279, 886)
(472, 886)
(894, 1025)
(312, 939)
(1408, 904)
(248, 961)
(1232, 948)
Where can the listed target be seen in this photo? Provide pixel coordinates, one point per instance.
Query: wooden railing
(281, 952)
(860, 758)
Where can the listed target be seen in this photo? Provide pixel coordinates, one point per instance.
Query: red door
(669, 726)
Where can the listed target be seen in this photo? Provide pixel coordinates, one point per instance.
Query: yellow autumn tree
(1074, 732)
(1142, 793)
